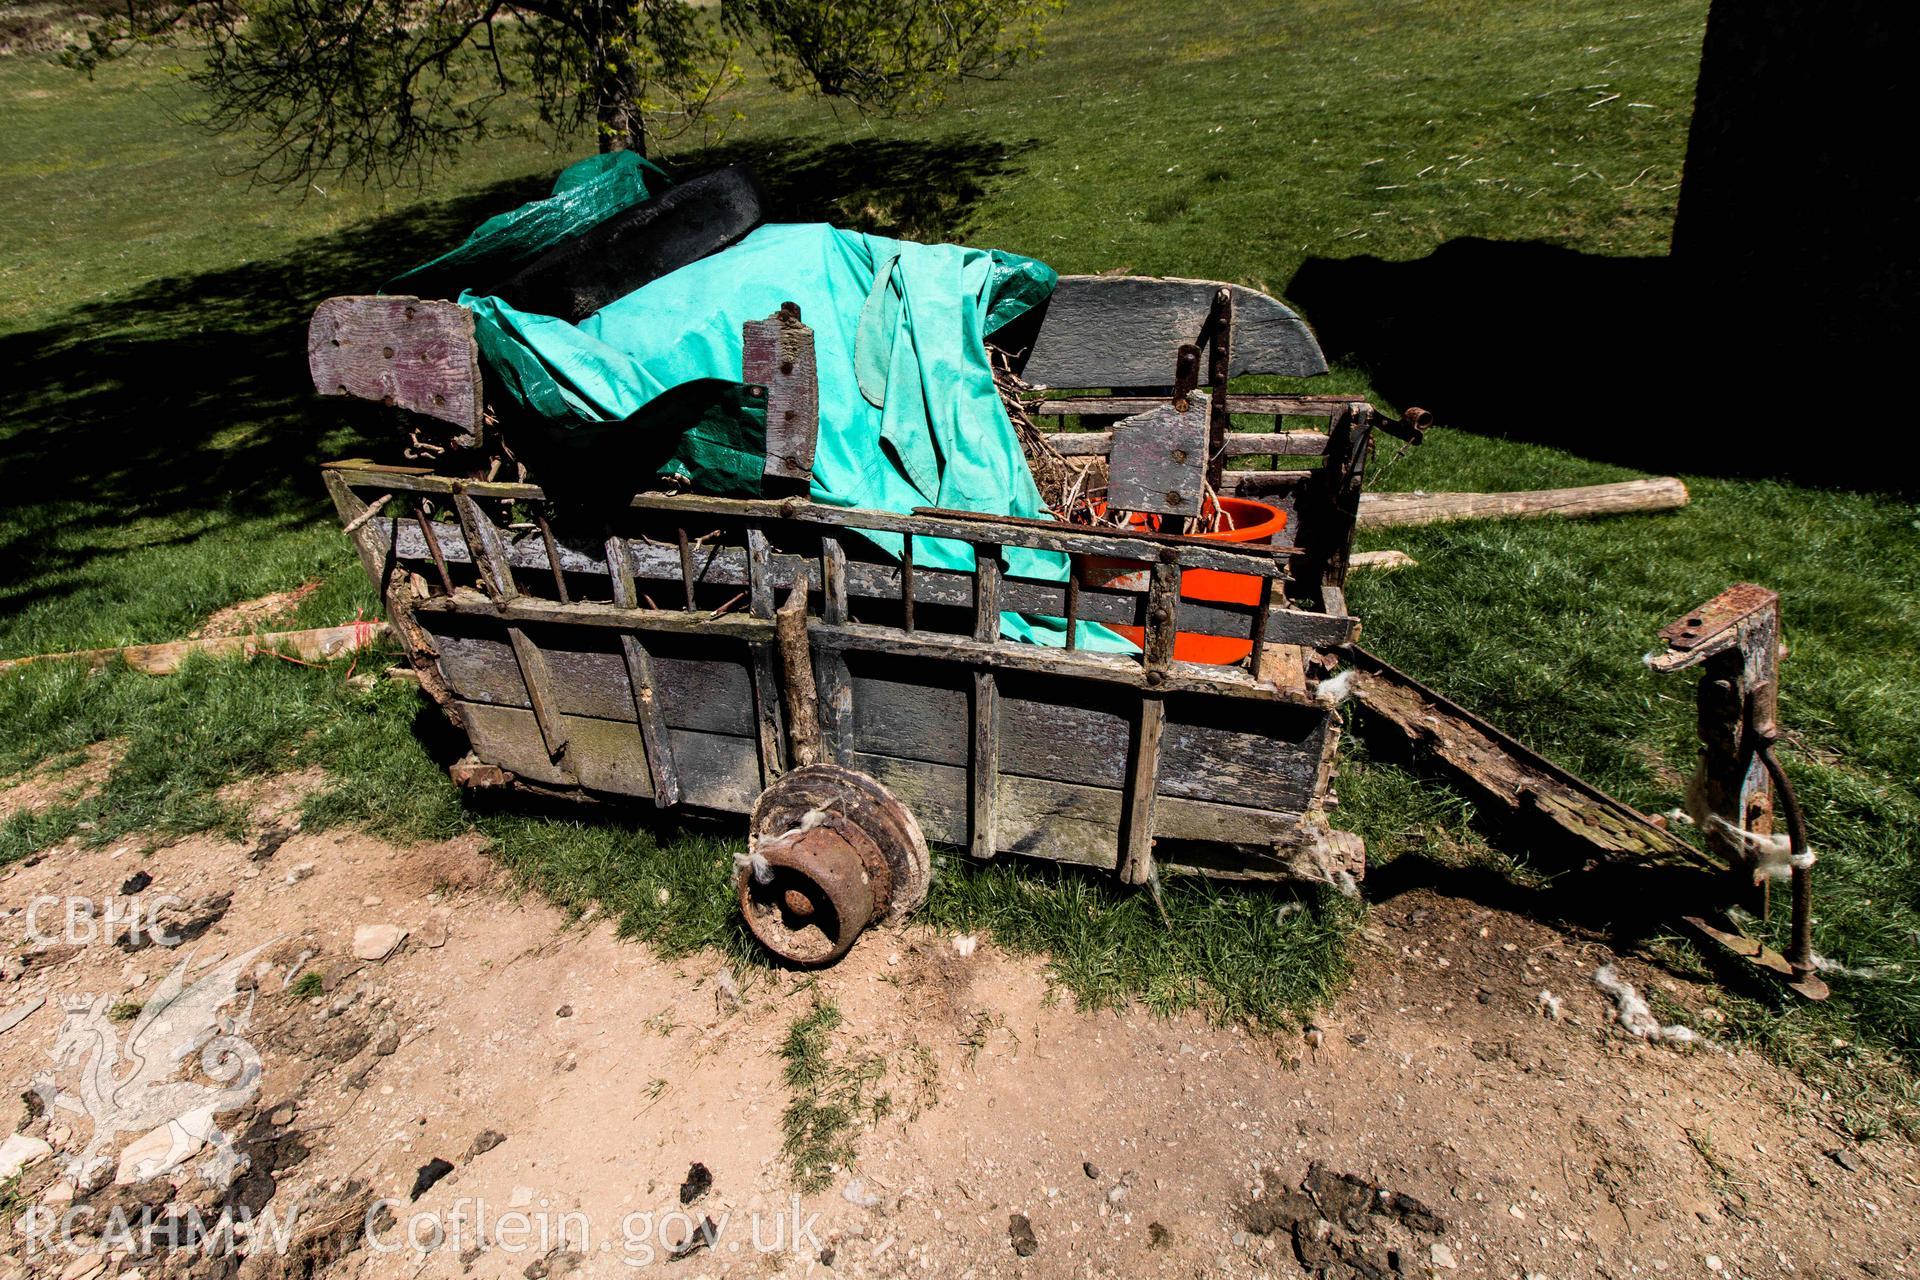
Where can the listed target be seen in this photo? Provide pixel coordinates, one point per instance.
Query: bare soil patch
(567, 1075)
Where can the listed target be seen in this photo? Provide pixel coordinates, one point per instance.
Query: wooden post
(1143, 774)
(1735, 640)
(796, 664)
(766, 678)
(984, 809)
(836, 687)
(646, 707)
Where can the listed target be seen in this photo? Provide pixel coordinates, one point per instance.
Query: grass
(160, 447)
(832, 1097)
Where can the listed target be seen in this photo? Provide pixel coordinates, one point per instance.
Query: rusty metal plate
(1718, 616)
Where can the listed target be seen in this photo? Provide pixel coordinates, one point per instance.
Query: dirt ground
(570, 1079)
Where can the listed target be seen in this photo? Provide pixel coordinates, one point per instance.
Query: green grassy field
(159, 446)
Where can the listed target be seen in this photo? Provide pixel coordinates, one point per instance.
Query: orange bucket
(1242, 520)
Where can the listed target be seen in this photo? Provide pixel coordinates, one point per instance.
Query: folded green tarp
(586, 193)
(909, 414)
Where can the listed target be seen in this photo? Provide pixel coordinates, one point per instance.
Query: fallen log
(1384, 561)
(1656, 493)
(317, 644)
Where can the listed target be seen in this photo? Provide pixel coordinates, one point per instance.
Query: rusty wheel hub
(834, 852)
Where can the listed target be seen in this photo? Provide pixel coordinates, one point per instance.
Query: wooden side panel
(718, 771)
(415, 354)
(1126, 331)
(1059, 820)
(589, 677)
(1263, 756)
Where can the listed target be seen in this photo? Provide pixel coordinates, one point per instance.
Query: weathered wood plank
(642, 683)
(1058, 820)
(1043, 535)
(538, 683)
(984, 760)
(721, 772)
(1126, 331)
(1240, 444)
(1143, 792)
(1516, 779)
(408, 352)
(1257, 405)
(1260, 756)
(704, 687)
(1158, 462)
(867, 580)
(779, 356)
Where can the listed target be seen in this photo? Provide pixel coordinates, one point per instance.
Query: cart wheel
(840, 852)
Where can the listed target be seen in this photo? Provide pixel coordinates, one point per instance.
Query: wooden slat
(766, 677)
(496, 572)
(1240, 444)
(1126, 331)
(662, 769)
(1143, 772)
(984, 764)
(1115, 602)
(1316, 406)
(539, 686)
(1042, 535)
(415, 354)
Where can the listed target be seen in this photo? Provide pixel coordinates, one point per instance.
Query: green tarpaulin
(909, 415)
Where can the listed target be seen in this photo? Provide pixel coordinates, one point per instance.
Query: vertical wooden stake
(766, 677)
(654, 740)
(1143, 774)
(796, 663)
(984, 809)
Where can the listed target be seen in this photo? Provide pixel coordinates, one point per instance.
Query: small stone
(1714, 1263)
(485, 1141)
(1091, 1169)
(1020, 1235)
(19, 1151)
(1844, 1157)
(387, 1043)
(377, 941)
(136, 882)
(1441, 1256)
(1157, 1236)
(300, 872)
(438, 928)
(12, 968)
(564, 1011)
(156, 1152)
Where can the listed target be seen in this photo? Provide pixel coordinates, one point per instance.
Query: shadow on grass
(1644, 362)
(185, 401)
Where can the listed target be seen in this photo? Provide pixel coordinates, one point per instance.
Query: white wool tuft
(1774, 858)
(1334, 690)
(1634, 1014)
(964, 944)
(1550, 1005)
(1822, 964)
(757, 863)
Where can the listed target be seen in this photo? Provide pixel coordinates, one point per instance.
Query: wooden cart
(760, 657)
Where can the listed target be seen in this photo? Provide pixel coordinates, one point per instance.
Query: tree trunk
(621, 127)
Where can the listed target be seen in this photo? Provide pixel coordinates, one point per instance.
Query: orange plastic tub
(1243, 520)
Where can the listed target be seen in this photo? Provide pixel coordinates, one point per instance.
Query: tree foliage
(384, 91)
